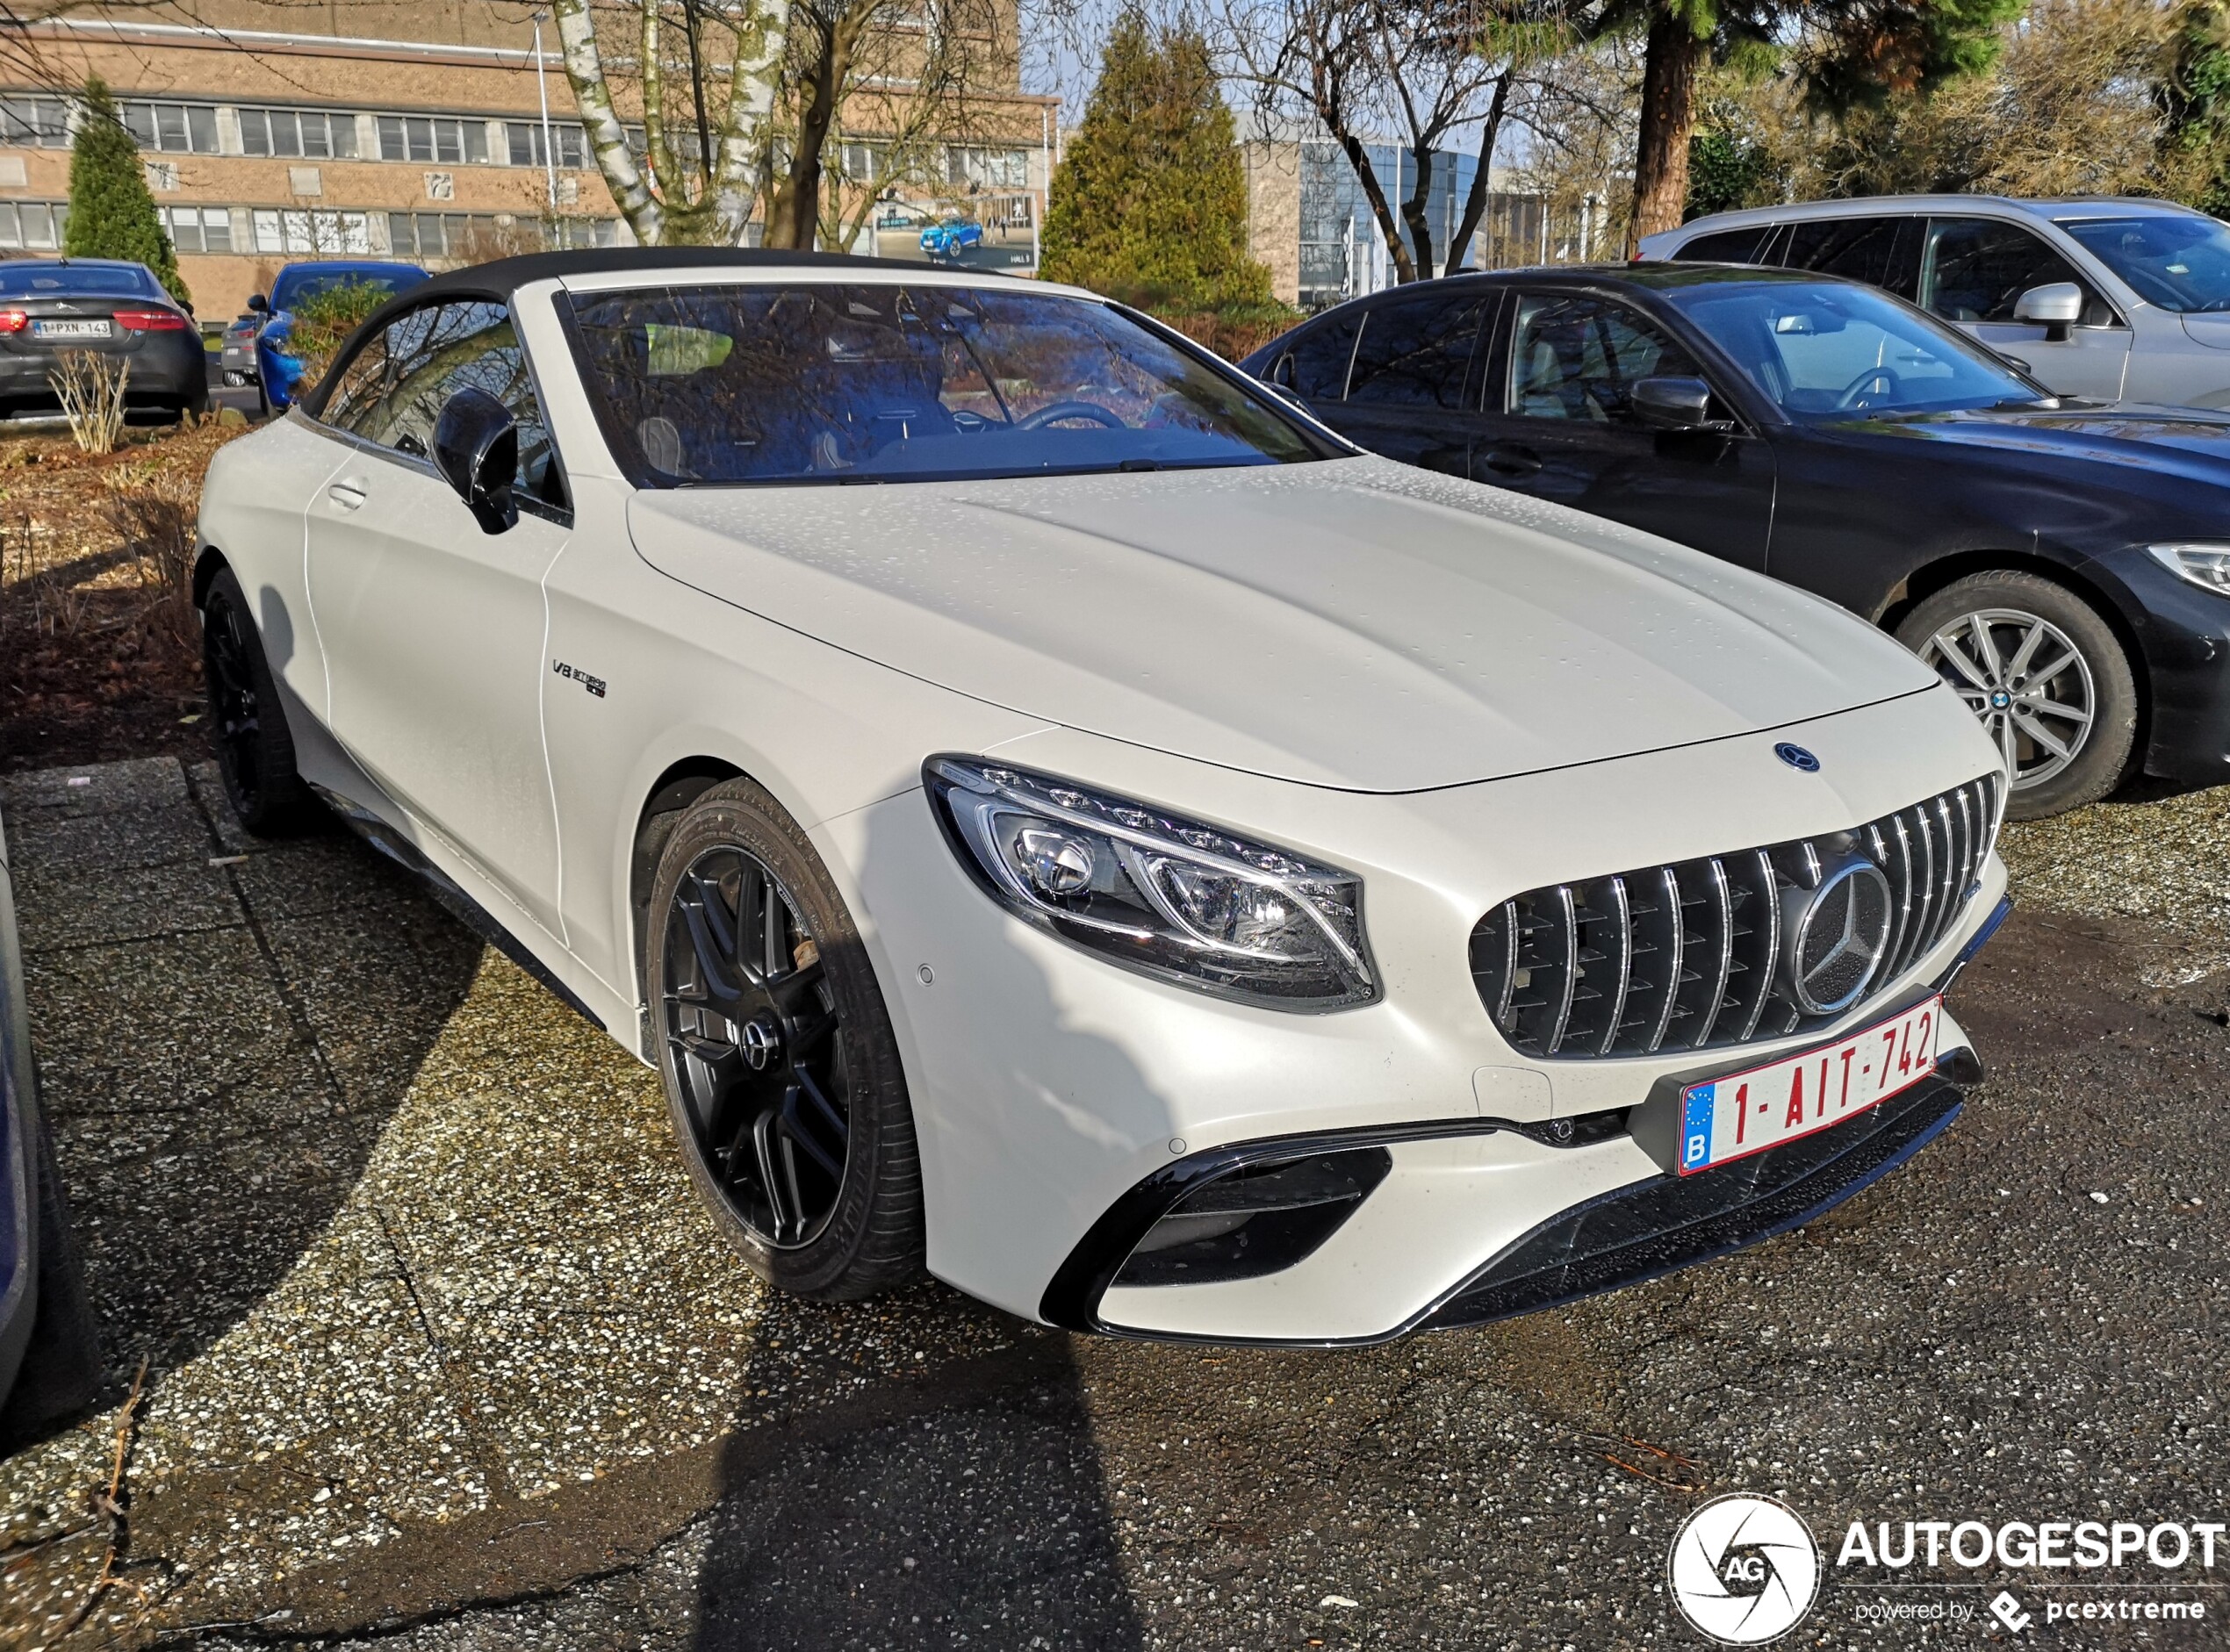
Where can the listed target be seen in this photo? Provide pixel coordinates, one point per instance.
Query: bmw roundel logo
(1798, 759)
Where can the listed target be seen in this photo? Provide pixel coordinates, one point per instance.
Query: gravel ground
(442, 1355)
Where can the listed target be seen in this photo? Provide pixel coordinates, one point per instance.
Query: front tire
(781, 1073)
(2045, 675)
(254, 750)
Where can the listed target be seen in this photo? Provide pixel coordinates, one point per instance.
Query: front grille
(1691, 956)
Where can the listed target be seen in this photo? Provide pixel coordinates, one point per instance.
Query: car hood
(1350, 622)
(2191, 441)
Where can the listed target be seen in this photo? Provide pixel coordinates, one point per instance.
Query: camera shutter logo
(1744, 1569)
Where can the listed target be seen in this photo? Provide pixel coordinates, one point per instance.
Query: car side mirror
(1671, 404)
(476, 448)
(259, 303)
(2055, 306)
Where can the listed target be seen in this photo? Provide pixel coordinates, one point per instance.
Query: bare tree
(1424, 71)
(905, 80)
(664, 200)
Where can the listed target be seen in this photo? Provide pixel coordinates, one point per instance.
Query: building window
(569, 142)
(199, 229)
(34, 123)
(436, 236)
(581, 232)
(440, 138)
(33, 225)
(283, 231)
(298, 133)
(975, 168)
(171, 128)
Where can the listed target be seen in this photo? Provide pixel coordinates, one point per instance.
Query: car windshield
(69, 281)
(1830, 351)
(748, 383)
(2178, 261)
(289, 292)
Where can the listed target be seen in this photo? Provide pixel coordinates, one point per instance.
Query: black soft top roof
(503, 276)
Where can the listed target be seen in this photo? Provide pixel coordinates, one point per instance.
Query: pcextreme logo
(1744, 1569)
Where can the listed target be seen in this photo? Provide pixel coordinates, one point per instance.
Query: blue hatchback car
(951, 238)
(255, 346)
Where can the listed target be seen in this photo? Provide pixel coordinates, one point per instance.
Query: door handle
(1513, 461)
(347, 494)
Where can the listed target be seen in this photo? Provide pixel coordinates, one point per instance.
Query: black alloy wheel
(781, 1073)
(753, 1021)
(255, 750)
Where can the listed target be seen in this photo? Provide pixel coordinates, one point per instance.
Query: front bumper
(1450, 1196)
(2183, 635)
(1048, 1085)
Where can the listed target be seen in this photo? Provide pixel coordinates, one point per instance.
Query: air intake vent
(1705, 953)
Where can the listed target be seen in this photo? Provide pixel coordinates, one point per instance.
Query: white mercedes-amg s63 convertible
(1056, 815)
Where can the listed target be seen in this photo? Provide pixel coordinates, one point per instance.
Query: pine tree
(111, 215)
(1149, 202)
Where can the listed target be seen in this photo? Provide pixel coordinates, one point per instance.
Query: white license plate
(1744, 1113)
(70, 329)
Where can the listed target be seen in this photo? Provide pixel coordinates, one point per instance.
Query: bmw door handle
(347, 493)
(1513, 461)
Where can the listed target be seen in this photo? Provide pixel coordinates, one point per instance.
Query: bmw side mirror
(1671, 404)
(2055, 306)
(259, 303)
(476, 448)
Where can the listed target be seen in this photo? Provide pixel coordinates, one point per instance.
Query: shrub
(324, 322)
(90, 388)
(1149, 203)
(111, 215)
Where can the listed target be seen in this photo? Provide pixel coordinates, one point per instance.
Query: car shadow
(222, 1028)
(968, 1505)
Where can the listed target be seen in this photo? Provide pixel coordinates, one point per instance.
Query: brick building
(415, 129)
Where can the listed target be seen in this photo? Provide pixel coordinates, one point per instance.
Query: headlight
(2206, 566)
(1155, 892)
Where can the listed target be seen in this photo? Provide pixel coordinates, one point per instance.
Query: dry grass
(91, 389)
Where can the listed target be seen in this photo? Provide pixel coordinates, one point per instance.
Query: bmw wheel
(782, 1076)
(254, 750)
(2047, 677)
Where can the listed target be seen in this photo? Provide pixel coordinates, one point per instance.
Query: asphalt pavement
(442, 1354)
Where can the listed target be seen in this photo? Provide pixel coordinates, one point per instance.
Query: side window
(1417, 352)
(1577, 358)
(1316, 365)
(1882, 252)
(1976, 269)
(1725, 246)
(393, 391)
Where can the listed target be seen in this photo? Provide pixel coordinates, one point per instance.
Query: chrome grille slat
(1769, 897)
(1510, 966)
(1722, 916)
(1948, 888)
(1674, 960)
(1688, 955)
(1570, 929)
(1923, 885)
(1622, 922)
(1967, 837)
